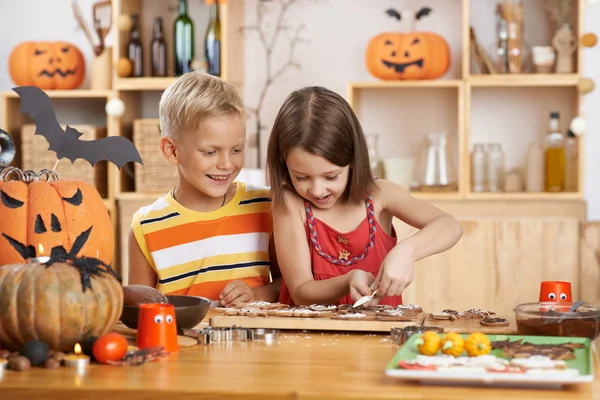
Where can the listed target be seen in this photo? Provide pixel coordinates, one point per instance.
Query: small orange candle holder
(157, 327)
(556, 291)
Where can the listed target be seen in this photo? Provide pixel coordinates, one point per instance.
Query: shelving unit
(409, 108)
(474, 91)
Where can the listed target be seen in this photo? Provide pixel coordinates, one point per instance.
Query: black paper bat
(116, 149)
(393, 13)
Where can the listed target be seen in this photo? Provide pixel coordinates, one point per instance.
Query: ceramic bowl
(189, 311)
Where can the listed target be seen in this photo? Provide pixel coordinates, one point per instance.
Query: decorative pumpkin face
(47, 65)
(417, 55)
(59, 215)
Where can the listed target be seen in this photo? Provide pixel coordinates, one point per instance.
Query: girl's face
(315, 178)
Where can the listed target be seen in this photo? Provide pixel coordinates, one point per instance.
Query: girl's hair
(321, 122)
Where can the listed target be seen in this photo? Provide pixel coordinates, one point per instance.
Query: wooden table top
(301, 366)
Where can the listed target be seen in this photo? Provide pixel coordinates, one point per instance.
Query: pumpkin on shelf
(412, 55)
(53, 213)
(47, 65)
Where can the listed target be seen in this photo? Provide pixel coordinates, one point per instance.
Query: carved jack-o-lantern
(413, 55)
(47, 65)
(64, 217)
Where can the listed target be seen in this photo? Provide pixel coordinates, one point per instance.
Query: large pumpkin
(413, 55)
(47, 65)
(52, 213)
(61, 303)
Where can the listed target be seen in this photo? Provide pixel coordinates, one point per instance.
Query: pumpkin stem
(481, 345)
(87, 267)
(448, 344)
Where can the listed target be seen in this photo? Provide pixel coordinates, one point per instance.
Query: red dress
(333, 253)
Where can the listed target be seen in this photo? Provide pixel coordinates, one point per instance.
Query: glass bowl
(554, 319)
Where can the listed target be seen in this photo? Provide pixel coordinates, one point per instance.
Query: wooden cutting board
(316, 324)
(471, 325)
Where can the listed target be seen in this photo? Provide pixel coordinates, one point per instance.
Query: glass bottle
(135, 47)
(495, 167)
(534, 180)
(183, 40)
(439, 173)
(212, 41)
(554, 155)
(373, 149)
(158, 50)
(571, 162)
(478, 181)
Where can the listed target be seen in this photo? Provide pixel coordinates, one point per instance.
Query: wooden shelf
(138, 196)
(523, 80)
(524, 196)
(68, 94)
(144, 83)
(433, 196)
(440, 83)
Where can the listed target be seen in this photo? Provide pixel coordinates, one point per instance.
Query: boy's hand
(236, 292)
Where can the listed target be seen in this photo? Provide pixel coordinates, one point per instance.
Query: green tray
(583, 362)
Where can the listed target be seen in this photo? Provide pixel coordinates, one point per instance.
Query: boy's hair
(194, 97)
(320, 122)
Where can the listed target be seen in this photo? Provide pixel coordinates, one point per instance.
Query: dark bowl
(553, 319)
(189, 311)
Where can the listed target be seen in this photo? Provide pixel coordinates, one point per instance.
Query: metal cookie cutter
(268, 336)
(401, 335)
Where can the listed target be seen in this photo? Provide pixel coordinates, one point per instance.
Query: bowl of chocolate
(189, 310)
(556, 319)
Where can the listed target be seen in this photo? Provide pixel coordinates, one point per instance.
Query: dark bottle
(158, 50)
(183, 40)
(135, 47)
(212, 41)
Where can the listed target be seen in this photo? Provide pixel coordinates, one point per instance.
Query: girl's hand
(396, 273)
(360, 284)
(236, 292)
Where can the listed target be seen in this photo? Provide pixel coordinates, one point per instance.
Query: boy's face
(315, 178)
(211, 157)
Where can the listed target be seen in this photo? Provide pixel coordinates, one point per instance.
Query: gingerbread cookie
(323, 307)
(489, 321)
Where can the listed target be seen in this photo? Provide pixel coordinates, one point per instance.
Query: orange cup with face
(556, 292)
(157, 327)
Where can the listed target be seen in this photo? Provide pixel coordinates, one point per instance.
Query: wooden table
(300, 366)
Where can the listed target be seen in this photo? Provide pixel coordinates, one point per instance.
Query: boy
(209, 236)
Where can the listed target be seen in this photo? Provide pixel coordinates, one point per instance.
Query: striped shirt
(198, 253)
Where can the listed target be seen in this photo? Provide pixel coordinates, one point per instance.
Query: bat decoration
(116, 149)
(423, 12)
(393, 13)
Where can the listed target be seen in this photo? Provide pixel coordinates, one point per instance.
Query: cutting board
(315, 324)
(471, 325)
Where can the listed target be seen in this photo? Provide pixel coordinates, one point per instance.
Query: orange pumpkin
(58, 215)
(47, 65)
(413, 55)
(61, 303)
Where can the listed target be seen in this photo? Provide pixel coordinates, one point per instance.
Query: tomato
(110, 347)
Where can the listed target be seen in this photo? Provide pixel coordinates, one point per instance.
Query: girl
(332, 218)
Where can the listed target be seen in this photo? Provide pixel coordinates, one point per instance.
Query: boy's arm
(140, 270)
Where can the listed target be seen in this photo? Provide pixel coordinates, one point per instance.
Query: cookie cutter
(401, 335)
(210, 335)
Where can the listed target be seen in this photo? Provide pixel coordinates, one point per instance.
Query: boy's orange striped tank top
(198, 253)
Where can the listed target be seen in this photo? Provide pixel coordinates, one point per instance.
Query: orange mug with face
(555, 292)
(157, 327)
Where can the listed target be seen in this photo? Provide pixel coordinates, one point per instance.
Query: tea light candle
(39, 259)
(77, 360)
(3, 363)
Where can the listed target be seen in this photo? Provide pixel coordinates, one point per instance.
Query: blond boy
(210, 235)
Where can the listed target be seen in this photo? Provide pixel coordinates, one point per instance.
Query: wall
(336, 33)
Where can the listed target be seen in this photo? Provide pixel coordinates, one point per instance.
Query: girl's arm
(438, 231)
(293, 256)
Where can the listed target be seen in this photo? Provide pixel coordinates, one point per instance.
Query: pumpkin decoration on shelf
(411, 55)
(41, 209)
(47, 65)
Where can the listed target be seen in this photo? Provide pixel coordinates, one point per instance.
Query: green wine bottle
(184, 40)
(212, 41)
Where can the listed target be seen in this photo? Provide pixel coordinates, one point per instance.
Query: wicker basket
(36, 156)
(157, 175)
